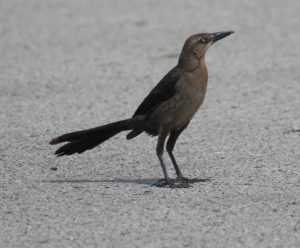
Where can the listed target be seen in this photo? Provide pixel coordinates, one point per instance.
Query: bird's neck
(191, 63)
(202, 68)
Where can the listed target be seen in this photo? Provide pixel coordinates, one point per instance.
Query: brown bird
(166, 111)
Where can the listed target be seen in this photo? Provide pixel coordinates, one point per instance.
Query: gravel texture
(66, 65)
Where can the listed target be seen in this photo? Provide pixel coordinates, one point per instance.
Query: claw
(172, 183)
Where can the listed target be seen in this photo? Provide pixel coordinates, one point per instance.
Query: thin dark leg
(162, 163)
(180, 182)
(170, 147)
(178, 172)
(163, 133)
(159, 151)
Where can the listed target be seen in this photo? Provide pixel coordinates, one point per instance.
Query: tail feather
(78, 146)
(133, 134)
(81, 141)
(67, 137)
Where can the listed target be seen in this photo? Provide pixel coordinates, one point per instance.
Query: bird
(165, 112)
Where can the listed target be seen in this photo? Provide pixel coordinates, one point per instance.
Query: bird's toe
(172, 183)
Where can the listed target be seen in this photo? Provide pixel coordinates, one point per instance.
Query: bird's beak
(220, 35)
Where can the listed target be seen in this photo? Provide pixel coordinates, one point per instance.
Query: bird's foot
(192, 180)
(171, 183)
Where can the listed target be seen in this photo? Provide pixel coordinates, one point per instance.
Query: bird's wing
(163, 91)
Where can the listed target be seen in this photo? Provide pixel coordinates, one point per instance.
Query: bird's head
(196, 45)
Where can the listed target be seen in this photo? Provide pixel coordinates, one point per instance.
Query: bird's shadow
(146, 181)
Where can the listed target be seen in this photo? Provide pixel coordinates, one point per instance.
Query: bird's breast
(189, 97)
(181, 107)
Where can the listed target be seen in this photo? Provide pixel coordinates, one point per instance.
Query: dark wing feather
(163, 91)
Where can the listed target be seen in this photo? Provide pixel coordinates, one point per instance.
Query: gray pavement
(71, 64)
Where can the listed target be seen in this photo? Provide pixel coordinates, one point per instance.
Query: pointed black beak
(220, 35)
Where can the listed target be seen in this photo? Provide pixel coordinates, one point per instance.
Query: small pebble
(53, 168)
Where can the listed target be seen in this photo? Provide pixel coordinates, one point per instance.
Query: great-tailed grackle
(166, 111)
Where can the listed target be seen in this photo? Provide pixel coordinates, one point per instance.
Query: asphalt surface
(68, 65)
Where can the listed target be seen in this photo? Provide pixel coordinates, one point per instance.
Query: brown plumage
(166, 111)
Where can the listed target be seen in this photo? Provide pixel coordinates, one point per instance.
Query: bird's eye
(204, 40)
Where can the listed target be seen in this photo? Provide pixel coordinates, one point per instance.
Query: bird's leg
(170, 147)
(178, 172)
(166, 181)
(180, 178)
(159, 151)
(162, 135)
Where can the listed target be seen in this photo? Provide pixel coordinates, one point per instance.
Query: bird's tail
(80, 141)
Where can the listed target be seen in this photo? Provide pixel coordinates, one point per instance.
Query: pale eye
(204, 40)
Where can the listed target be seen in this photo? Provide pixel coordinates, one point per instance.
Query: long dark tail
(79, 142)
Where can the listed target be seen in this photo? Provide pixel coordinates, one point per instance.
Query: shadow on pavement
(115, 180)
(149, 181)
